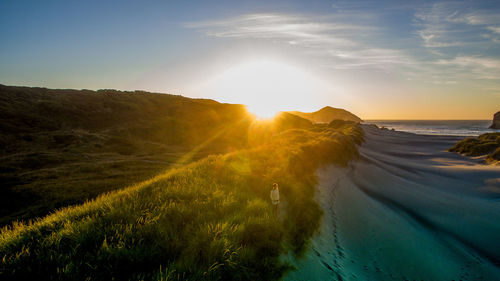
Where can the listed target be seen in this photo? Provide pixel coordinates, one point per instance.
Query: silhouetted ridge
(328, 114)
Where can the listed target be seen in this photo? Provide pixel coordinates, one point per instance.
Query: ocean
(437, 127)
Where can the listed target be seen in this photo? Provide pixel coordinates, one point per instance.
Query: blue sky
(379, 59)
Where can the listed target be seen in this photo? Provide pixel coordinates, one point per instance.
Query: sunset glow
(250, 140)
(265, 86)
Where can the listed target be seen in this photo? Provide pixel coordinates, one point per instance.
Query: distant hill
(328, 114)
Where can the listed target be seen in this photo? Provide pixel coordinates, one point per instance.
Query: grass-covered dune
(487, 145)
(209, 220)
(62, 147)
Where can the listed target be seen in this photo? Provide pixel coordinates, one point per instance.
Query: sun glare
(266, 87)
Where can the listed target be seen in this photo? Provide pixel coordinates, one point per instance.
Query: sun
(262, 111)
(266, 87)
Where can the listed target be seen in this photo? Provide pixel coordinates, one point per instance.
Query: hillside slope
(61, 147)
(327, 114)
(208, 220)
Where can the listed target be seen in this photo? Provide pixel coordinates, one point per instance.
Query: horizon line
(207, 98)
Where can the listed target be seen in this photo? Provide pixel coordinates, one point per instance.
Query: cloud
(465, 61)
(495, 29)
(451, 24)
(481, 67)
(482, 17)
(295, 28)
(458, 41)
(333, 38)
(461, 38)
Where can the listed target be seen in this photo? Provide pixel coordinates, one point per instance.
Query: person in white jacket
(275, 199)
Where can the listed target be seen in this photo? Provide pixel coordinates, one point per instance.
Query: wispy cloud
(458, 41)
(495, 29)
(461, 39)
(274, 26)
(450, 24)
(465, 61)
(331, 37)
(483, 68)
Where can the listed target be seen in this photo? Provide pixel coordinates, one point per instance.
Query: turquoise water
(437, 127)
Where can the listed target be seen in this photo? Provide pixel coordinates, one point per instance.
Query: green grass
(199, 218)
(484, 145)
(208, 220)
(62, 147)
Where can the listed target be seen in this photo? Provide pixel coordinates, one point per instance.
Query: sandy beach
(407, 210)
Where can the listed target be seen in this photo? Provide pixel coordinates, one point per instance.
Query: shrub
(484, 145)
(494, 157)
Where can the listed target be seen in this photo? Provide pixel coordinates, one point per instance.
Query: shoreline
(406, 209)
(458, 128)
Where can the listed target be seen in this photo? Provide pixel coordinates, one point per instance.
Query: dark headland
(495, 124)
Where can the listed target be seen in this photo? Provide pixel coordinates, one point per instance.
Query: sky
(377, 59)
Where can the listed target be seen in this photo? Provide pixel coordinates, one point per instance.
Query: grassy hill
(200, 218)
(61, 147)
(327, 114)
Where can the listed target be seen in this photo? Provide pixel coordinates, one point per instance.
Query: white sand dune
(407, 210)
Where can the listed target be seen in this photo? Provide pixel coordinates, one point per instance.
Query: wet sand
(407, 210)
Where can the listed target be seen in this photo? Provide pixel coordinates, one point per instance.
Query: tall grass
(62, 147)
(209, 220)
(484, 145)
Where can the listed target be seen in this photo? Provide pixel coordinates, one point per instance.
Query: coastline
(406, 209)
(459, 128)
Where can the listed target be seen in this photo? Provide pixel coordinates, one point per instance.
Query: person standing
(275, 199)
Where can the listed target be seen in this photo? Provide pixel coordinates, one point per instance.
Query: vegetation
(202, 218)
(62, 147)
(487, 145)
(209, 220)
